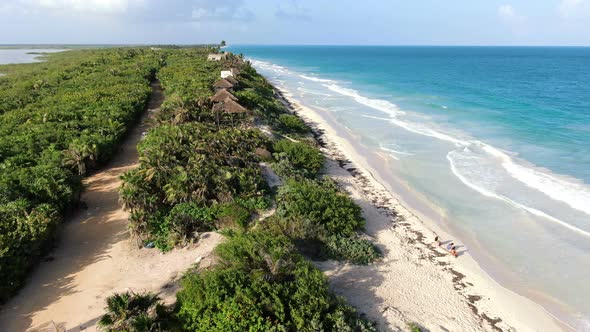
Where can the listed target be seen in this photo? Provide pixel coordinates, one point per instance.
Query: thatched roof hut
(222, 95)
(232, 80)
(234, 71)
(222, 84)
(229, 106)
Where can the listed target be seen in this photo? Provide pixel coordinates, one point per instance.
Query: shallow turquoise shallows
(497, 138)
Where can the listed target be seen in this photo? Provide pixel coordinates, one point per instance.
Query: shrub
(353, 249)
(261, 284)
(292, 124)
(305, 159)
(322, 203)
(133, 312)
(186, 218)
(414, 327)
(230, 215)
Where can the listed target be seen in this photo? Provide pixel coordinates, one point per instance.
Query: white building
(216, 56)
(226, 73)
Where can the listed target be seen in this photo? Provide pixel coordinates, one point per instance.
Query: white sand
(95, 258)
(416, 281)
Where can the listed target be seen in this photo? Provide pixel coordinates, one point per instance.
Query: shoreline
(491, 305)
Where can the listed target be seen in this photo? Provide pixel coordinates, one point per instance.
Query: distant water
(498, 138)
(22, 55)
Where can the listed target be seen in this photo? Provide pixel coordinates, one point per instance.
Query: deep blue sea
(497, 138)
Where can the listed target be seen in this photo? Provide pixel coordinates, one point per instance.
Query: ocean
(495, 139)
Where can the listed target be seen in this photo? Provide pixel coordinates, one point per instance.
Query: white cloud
(517, 22)
(507, 12)
(574, 8)
(220, 10)
(162, 10)
(87, 6)
(293, 11)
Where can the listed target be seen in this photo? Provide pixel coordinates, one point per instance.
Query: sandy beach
(416, 281)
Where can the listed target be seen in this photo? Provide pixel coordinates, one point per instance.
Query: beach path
(95, 256)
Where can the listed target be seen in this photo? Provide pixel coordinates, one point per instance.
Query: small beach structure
(234, 72)
(223, 84)
(215, 56)
(229, 106)
(222, 95)
(232, 80)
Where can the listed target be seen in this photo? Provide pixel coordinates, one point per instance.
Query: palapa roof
(222, 95)
(223, 84)
(229, 106)
(232, 80)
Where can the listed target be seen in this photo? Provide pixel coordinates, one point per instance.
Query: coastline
(454, 294)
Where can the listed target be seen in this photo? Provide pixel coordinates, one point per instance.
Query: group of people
(450, 247)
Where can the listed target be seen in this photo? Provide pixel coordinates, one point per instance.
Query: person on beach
(450, 246)
(454, 252)
(437, 240)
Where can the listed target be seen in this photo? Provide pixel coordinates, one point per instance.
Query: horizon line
(265, 44)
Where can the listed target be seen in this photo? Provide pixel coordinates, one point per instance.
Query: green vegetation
(302, 158)
(135, 313)
(193, 156)
(198, 171)
(353, 249)
(259, 284)
(262, 284)
(332, 212)
(289, 123)
(413, 327)
(59, 119)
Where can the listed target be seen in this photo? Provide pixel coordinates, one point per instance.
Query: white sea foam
(576, 195)
(378, 104)
(315, 79)
(489, 193)
(394, 153)
(375, 117)
(313, 92)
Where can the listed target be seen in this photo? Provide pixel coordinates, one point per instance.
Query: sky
(324, 22)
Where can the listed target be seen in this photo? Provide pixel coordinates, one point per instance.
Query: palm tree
(134, 312)
(76, 156)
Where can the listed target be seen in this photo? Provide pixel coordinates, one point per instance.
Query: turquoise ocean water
(497, 138)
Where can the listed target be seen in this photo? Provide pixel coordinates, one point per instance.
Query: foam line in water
(375, 117)
(378, 104)
(315, 79)
(313, 92)
(571, 193)
(384, 148)
(529, 209)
